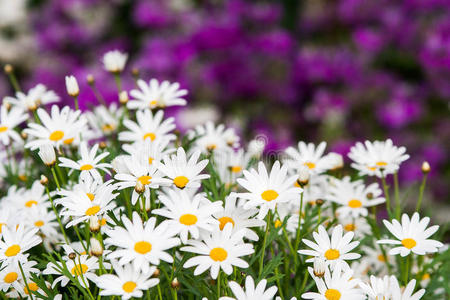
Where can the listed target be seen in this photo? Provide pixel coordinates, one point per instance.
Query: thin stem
(386, 194)
(261, 259)
(397, 197)
(118, 81)
(14, 82)
(408, 262)
(75, 99)
(57, 216)
(297, 238)
(159, 291)
(25, 280)
(421, 190)
(218, 284)
(56, 178)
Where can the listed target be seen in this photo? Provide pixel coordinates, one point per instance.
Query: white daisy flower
(9, 119)
(220, 249)
(334, 251)
(105, 120)
(43, 219)
(89, 163)
(7, 216)
(114, 61)
(378, 288)
(25, 199)
(37, 96)
(142, 244)
(148, 126)
(375, 258)
(251, 292)
(152, 151)
(337, 285)
(81, 206)
(10, 275)
(412, 236)
(230, 164)
(209, 138)
(310, 156)
(16, 241)
(240, 218)
(127, 283)
(406, 293)
(183, 172)
(354, 197)
(188, 214)
(61, 128)
(357, 225)
(377, 158)
(267, 190)
(155, 94)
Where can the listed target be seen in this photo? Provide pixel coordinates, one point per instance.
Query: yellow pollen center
(33, 287)
(278, 223)
(56, 135)
(426, 276)
(150, 135)
(153, 102)
(10, 277)
(269, 195)
(332, 254)
(332, 294)
(23, 177)
(39, 223)
(236, 169)
(354, 203)
(86, 167)
(102, 222)
(381, 164)
(188, 219)
(129, 286)
(3, 128)
(12, 250)
(224, 221)
(218, 254)
(90, 196)
(310, 165)
(180, 181)
(211, 147)
(108, 127)
(372, 168)
(350, 227)
(92, 210)
(409, 243)
(381, 258)
(77, 270)
(30, 203)
(145, 179)
(142, 247)
(69, 141)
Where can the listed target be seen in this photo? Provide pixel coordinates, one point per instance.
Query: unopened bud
(320, 202)
(369, 196)
(90, 79)
(175, 284)
(336, 160)
(8, 69)
(156, 273)
(123, 97)
(7, 105)
(96, 247)
(24, 135)
(44, 180)
(72, 86)
(426, 167)
(303, 176)
(139, 188)
(94, 224)
(135, 72)
(47, 154)
(319, 267)
(102, 145)
(72, 255)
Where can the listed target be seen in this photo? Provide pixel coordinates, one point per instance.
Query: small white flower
(39, 95)
(114, 61)
(10, 275)
(15, 242)
(399, 293)
(72, 86)
(8, 121)
(309, 155)
(379, 288)
(251, 292)
(47, 154)
(209, 138)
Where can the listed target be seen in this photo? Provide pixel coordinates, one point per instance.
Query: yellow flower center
(92, 210)
(350, 227)
(381, 164)
(129, 286)
(354, 203)
(56, 135)
(39, 223)
(77, 270)
(102, 222)
(211, 147)
(310, 165)
(3, 128)
(86, 167)
(372, 168)
(218, 254)
(150, 135)
(332, 294)
(224, 220)
(108, 127)
(332, 254)
(180, 181)
(12, 250)
(69, 141)
(381, 258)
(142, 247)
(278, 223)
(145, 179)
(10, 277)
(409, 243)
(188, 219)
(33, 287)
(153, 102)
(236, 169)
(30, 203)
(426, 276)
(90, 196)
(23, 177)
(269, 195)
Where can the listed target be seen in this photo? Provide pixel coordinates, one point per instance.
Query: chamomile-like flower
(412, 236)
(9, 119)
(151, 152)
(334, 251)
(267, 190)
(43, 219)
(377, 158)
(213, 139)
(10, 275)
(251, 292)
(16, 241)
(183, 172)
(128, 282)
(141, 243)
(188, 214)
(36, 96)
(220, 249)
(89, 163)
(155, 94)
(378, 288)
(26, 198)
(310, 156)
(354, 197)
(105, 120)
(114, 61)
(406, 293)
(62, 127)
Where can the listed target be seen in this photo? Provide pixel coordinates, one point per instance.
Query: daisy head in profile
(335, 250)
(266, 190)
(182, 171)
(114, 61)
(251, 292)
(220, 249)
(156, 95)
(310, 156)
(412, 235)
(378, 158)
(405, 293)
(36, 96)
(141, 243)
(10, 119)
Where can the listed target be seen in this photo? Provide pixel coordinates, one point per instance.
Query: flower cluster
(117, 202)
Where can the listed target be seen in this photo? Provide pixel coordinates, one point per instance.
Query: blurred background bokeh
(336, 70)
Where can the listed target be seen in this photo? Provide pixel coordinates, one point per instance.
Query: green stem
(14, 82)
(421, 190)
(118, 81)
(25, 280)
(386, 195)
(159, 291)
(57, 216)
(261, 259)
(397, 197)
(408, 262)
(75, 99)
(218, 284)
(56, 178)
(297, 237)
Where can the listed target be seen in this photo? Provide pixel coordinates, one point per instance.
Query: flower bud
(426, 167)
(336, 160)
(156, 273)
(102, 145)
(44, 180)
(90, 79)
(256, 147)
(96, 247)
(319, 267)
(24, 135)
(369, 196)
(119, 165)
(114, 61)
(303, 176)
(72, 255)
(8, 69)
(139, 188)
(135, 72)
(94, 224)
(175, 284)
(319, 202)
(123, 97)
(47, 154)
(72, 86)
